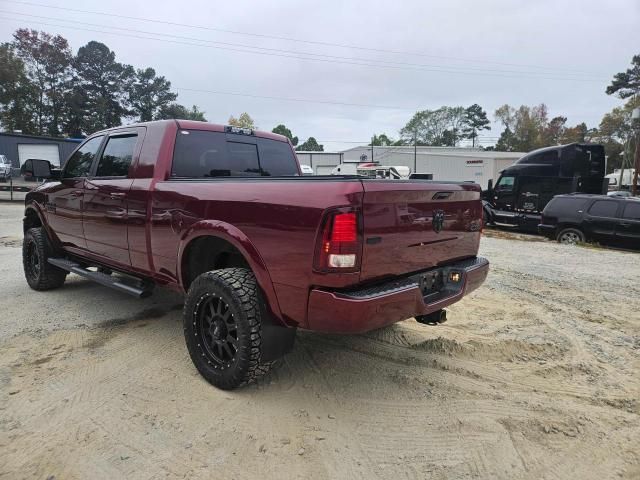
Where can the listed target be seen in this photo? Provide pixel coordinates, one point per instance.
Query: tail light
(339, 245)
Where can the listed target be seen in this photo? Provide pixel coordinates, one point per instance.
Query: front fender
(36, 208)
(239, 240)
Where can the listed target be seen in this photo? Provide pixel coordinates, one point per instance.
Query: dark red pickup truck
(224, 216)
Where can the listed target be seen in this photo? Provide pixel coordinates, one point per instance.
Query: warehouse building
(445, 163)
(18, 148)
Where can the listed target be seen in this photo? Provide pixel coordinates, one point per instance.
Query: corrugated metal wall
(9, 146)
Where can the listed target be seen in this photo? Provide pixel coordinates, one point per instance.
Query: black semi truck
(525, 188)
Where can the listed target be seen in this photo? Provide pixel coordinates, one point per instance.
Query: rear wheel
(570, 236)
(222, 327)
(36, 250)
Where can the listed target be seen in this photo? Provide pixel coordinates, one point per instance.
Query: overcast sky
(419, 54)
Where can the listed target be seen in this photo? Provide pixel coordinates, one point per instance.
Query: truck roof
(195, 125)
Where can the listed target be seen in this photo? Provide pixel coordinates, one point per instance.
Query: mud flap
(277, 341)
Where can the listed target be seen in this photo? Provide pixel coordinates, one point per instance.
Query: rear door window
(79, 165)
(632, 211)
(604, 208)
(117, 156)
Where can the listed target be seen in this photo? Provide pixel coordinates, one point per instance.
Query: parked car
(619, 193)
(224, 216)
(306, 170)
(578, 218)
(5, 168)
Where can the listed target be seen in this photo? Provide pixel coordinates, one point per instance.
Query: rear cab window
(206, 154)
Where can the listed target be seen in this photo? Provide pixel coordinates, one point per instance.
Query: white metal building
(445, 163)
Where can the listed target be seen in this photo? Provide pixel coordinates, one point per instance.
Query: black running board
(141, 290)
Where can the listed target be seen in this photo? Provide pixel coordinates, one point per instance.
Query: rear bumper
(548, 231)
(363, 310)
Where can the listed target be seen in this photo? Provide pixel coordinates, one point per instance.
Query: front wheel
(36, 250)
(570, 236)
(223, 327)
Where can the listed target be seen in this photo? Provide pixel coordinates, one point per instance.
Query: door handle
(76, 193)
(116, 196)
(624, 224)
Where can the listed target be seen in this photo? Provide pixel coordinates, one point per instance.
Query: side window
(604, 208)
(546, 158)
(632, 211)
(79, 164)
(505, 184)
(117, 156)
(276, 158)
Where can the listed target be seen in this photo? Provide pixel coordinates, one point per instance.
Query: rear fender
(239, 240)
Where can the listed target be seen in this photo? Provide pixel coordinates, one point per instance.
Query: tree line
(525, 127)
(47, 90)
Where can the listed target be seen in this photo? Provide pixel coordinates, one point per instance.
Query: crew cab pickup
(225, 216)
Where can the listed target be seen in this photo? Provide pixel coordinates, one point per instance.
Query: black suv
(577, 218)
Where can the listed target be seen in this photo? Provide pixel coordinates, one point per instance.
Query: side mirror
(37, 169)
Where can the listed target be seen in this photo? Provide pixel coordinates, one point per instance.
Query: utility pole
(415, 151)
(372, 147)
(635, 122)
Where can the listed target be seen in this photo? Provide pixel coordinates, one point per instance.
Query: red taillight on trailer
(340, 246)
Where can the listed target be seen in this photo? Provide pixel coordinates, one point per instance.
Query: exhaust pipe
(434, 318)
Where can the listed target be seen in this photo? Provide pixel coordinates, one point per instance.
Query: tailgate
(411, 226)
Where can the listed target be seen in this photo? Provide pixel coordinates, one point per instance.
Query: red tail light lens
(340, 246)
(345, 228)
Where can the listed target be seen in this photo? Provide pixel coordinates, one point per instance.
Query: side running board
(137, 287)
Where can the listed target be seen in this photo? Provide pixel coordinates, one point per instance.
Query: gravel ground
(535, 376)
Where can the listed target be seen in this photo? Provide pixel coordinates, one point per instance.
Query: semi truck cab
(524, 189)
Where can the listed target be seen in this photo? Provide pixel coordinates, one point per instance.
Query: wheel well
(209, 253)
(31, 220)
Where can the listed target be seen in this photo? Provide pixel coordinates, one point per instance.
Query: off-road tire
(570, 236)
(36, 249)
(232, 290)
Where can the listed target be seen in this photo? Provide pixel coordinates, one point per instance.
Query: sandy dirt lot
(535, 376)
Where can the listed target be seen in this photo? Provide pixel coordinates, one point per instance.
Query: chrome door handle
(116, 196)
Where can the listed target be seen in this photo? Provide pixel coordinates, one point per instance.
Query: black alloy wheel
(222, 319)
(218, 330)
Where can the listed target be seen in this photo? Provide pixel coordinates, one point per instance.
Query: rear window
(565, 204)
(604, 208)
(276, 158)
(632, 211)
(201, 154)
